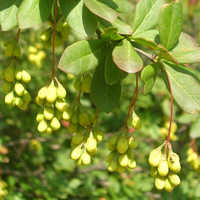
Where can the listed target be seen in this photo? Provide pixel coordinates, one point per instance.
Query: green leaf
(8, 14)
(81, 21)
(148, 76)
(81, 56)
(101, 10)
(147, 38)
(33, 12)
(150, 39)
(185, 87)
(187, 50)
(124, 6)
(170, 24)
(187, 118)
(162, 52)
(104, 96)
(111, 34)
(112, 73)
(126, 58)
(146, 15)
(194, 130)
(148, 85)
(148, 72)
(122, 27)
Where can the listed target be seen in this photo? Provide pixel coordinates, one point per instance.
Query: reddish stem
(18, 34)
(171, 114)
(79, 95)
(193, 145)
(133, 101)
(53, 40)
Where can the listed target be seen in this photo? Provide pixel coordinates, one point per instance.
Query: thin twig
(79, 95)
(193, 145)
(133, 101)
(18, 34)
(53, 40)
(150, 56)
(167, 145)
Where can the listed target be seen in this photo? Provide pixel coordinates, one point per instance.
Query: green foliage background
(44, 171)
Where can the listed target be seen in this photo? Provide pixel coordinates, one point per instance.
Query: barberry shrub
(105, 43)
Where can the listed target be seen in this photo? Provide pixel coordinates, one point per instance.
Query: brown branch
(18, 34)
(53, 40)
(193, 145)
(133, 101)
(167, 145)
(150, 56)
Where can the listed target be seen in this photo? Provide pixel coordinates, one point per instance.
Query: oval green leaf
(81, 56)
(81, 21)
(105, 97)
(101, 10)
(185, 87)
(170, 24)
(126, 58)
(187, 50)
(33, 13)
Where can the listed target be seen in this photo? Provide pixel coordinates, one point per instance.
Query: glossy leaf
(148, 76)
(112, 73)
(122, 27)
(187, 50)
(111, 34)
(124, 6)
(147, 38)
(81, 56)
(102, 10)
(126, 58)
(148, 72)
(8, 14)
(81, 21)
(146, 15)
(105, 97)
(33, 12)
(185, 87)
(170, 24)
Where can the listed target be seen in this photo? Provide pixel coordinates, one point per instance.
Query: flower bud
(42, 126)
(123, 160)
(51, 93)
(174, 179)
(173, 162)
(86, 158)
(91, 144)
(76, 153)
(42, 93)
(9, 98)
(122, 144)
(159, 183)
(48, 113)
(168, 186)
(55, 124)
(155, 157)
(19, 89)
(61, 92)
(26, 78)
(163, 168)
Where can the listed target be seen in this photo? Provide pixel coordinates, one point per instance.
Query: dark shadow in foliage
(4, 4)
(87, 17)
(110, 4)
(45, 8)
(104, 96)
(67, 9)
